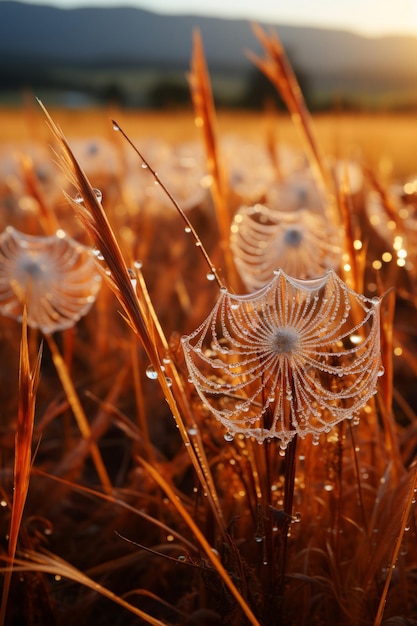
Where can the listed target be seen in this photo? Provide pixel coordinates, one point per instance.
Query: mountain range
(130, 52)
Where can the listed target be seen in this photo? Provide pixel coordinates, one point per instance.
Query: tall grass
(147, 513)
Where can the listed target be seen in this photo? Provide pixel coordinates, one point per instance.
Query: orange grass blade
(385, 396)
(28, 384)
(213, 558)
(189, 226)
(139, 312)
(404, 519)
(52, 564)
(46, 214)
(205, 118)
(278, 70)
(114, 499)
(78, 411)
(95, 221)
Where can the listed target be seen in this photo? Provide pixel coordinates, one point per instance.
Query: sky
(366, 17)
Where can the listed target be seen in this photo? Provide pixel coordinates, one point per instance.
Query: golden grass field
(385, 140)
(258, 470)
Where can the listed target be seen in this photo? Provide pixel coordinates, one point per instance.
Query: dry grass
(139, 511)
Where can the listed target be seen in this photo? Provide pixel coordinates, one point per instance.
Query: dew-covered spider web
(304, 244)
(54, 276)
(297, 356)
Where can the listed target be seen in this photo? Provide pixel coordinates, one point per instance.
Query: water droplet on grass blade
(98, 194)
(151, 372)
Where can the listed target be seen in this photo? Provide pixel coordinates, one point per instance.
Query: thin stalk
(140, 408)
(193, 444)
(358, 480)
(211, 555)
(188, 225)
(397, 547)
(28, 383)
(79, 414)
(290, 464)
(51, 564)
(205, 119)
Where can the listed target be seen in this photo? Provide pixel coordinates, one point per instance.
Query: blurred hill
(140, 58)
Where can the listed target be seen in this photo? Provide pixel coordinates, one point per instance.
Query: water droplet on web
(144, 166)
(151, 372)
(381, 371)
(192, 431)
(187, 229)
(259, 538)
(316, 440)
(168, 381)
(229, 436)
(210, 276)
(138, 265)
(116, 126)
(297, 517)
(132, 273)
(79, 199)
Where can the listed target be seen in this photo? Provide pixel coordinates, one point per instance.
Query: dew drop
(144, 166)
(297, 517)
(229, 436)
(316, 440)
(210, 276)
(151, 373)
(187, 229)
(132, 273)
(259, 538)
(181, 557)
(168, 381)
(193, 431)
(97, 253)
(138, 265)
(98, 194)
(328, 487)
(381, 371)
(116, 126)
(79, 199)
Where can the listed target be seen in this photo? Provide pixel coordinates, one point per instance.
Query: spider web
(297, 356)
